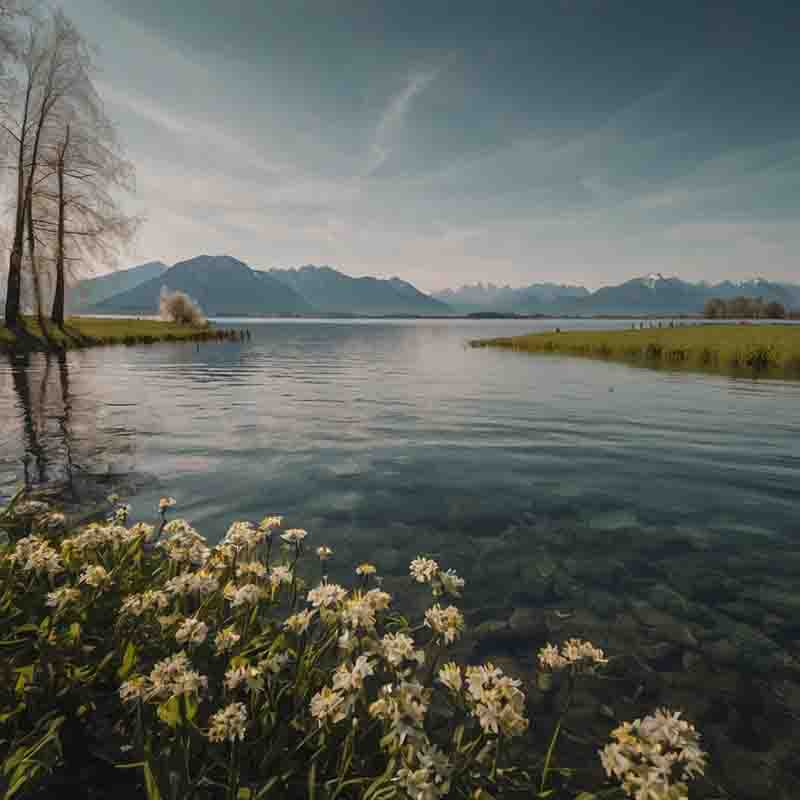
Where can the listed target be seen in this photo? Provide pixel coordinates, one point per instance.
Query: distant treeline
(744, 308)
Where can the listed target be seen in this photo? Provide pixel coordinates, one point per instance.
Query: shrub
(179, 307)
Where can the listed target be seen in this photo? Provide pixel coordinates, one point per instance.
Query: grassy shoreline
(767, 350)
(79, 332)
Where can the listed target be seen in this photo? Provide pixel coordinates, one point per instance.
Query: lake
(654, 512)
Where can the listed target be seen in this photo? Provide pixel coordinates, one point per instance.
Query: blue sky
(580, 141)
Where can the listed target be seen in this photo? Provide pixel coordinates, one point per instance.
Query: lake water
(654, 512)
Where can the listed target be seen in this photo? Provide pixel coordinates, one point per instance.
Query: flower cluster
(244, 536)
(403, 707)
(446, 623)
(138, 604)
(496, 700)
(171, 677)
(34, 554)
(426, 570)
(428, 777)
(575, 653)
(654, 757)
(228, 724)
(184, 545)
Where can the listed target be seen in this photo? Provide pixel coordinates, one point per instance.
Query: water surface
(650, 509)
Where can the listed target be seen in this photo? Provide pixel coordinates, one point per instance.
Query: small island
(769, 350)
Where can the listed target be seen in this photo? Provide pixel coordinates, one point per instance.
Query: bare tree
(87, 171)
(53, 62)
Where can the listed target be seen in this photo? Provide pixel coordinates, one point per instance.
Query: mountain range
(225, 286)
(652, 294)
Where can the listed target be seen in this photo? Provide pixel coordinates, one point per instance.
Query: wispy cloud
(392, 118)
(186, 126)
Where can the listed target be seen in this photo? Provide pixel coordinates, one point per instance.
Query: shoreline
(765, 350)
(83, 332)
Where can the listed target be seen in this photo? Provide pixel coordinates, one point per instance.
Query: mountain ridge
(224, 285)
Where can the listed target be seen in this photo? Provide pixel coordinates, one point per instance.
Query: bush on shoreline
(236, 671)
(178, 307)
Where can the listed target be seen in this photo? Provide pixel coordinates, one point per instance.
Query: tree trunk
(14, 283)
(58, 298)
(13, 286)
(37, 287)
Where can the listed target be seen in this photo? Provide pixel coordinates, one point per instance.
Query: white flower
(279, 575)
(226, 639)
(251, 676)
(298, 623)
(496, 700)
(249, 594)
(294, 535)
(446, 622)
(254, 568)
(191, 630)
(34, 554)
(324, 553)
(228, 724)
(201, 582)
(351, 679)
(96, 576)
(327, 704)
(172, 677)
(326, 595)
(575, 653)
(358, 612)
(243, 536)
(397, 647)
(137, 604)
(450, 676)
(378, 599)
(423, 570)
(655, 756)
(451, 583)
(166, 502)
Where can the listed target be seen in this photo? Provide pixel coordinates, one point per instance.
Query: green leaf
(170, 712)
(150, 783)
(312, 781)
(128, 662)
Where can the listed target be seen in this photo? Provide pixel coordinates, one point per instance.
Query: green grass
(769, 350)
(90, 331)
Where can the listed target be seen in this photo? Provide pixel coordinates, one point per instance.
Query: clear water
(654, 511)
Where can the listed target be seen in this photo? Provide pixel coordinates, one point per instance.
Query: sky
(576, 141)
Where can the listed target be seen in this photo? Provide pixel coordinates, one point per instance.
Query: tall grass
(768, 350)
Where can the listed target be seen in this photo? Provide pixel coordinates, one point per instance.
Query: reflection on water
(653, 512)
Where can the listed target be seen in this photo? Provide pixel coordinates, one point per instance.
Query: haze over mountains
(225, 286)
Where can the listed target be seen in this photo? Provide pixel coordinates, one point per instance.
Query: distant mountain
(656, 293)
(651, 294)
(89, 292)
(222, 285)
(536, 298)
(332, 292)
